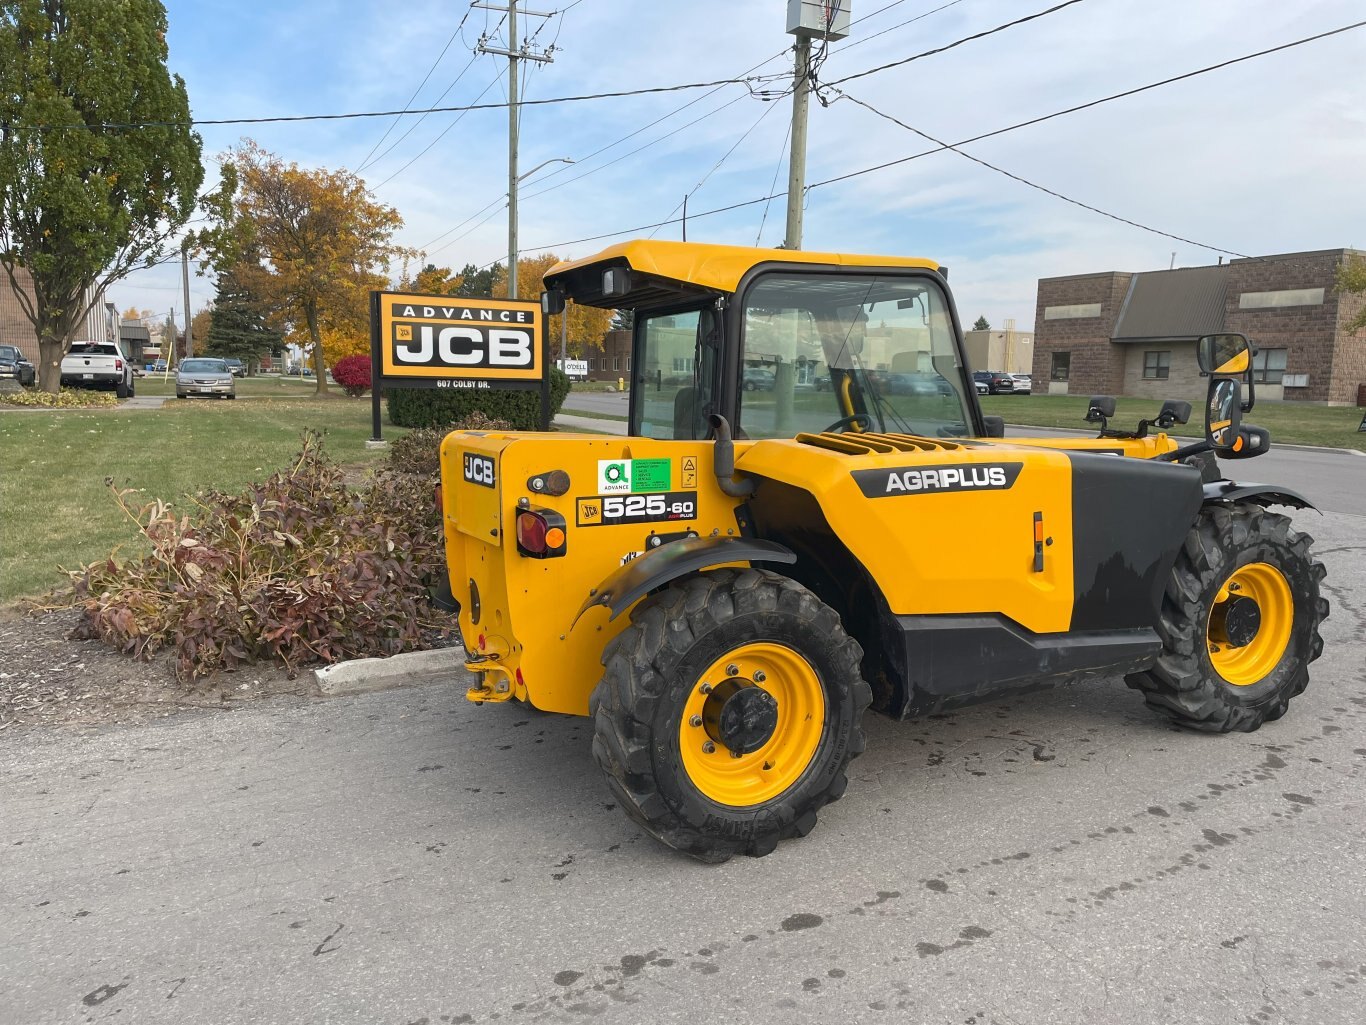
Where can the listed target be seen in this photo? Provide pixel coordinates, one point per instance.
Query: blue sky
(1261, 157)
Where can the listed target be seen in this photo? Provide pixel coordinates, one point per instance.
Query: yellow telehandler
(810, 514)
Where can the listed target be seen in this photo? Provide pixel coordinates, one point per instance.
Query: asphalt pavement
(406, 857)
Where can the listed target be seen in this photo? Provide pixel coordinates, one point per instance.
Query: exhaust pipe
(723, 461)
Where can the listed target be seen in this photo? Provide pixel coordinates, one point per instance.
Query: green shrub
(297, 569)
(419, 451)
(436, 407)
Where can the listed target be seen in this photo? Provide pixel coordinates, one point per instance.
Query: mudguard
(643, 574)
(1269, 494)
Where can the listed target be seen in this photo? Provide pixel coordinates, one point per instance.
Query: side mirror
(1223, 413)
(995, 425)
(1101, 407)
(552, 302)
(1226, 354)
(1173, 412)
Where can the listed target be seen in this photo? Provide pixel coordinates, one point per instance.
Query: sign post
(443, 341)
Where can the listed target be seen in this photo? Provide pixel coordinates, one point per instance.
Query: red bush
(353, 374)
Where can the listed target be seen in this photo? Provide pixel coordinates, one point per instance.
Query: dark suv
(13, 364)
(997, 382)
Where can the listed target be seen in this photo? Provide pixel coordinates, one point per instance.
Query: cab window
(819, 348)
(673, 373)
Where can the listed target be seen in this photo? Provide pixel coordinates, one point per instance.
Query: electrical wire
(957, 42)
(782, 152)
(411, 128)
(909, 21)
(1035, 185)
(440, 136)
(420, 85)
(964, 142)
(354, 115)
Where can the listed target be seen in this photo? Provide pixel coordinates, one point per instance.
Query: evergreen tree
(238, 328)
(981, 325)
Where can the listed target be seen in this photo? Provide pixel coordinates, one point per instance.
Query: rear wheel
(1240, 622)
(728, 712)
(121, 390)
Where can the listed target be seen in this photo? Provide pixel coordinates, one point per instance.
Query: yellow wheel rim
(762, 774)
(1253, 661)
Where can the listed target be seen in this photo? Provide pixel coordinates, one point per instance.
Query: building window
(1280, 299)
(628, 364)
(1268, 366)
(683, 364)
(1062, 366)
(1079, 311)
(1157, 365)
(616, 362)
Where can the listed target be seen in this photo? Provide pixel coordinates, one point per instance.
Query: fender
(656, 568)
(1261, 494)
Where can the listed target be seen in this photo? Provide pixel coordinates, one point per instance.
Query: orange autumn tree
(318, 242)
(586, 324)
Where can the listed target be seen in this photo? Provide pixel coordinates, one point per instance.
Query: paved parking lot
(406, 857)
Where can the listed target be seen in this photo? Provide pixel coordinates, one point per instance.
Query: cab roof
(677, 270)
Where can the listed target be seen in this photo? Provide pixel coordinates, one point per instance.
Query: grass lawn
(1292, 423)
(55, 509)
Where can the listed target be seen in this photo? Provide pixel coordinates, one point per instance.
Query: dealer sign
(443, 341)
(469, 340)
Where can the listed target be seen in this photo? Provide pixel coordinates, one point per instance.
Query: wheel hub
(1237, 621)
(741, 715)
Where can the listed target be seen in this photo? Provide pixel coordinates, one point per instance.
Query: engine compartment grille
(870, 443)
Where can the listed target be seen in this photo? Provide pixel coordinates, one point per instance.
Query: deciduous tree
(1351, 278)
(586, 324)
(99, 166)
(317, 239)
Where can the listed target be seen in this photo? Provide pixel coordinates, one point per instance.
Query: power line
(1035, 185)
(964, 142)
(902, 24)
(958, 42)
(782, 152)
(354, 115)
(420, 85)
(413, 127)
(423, 152)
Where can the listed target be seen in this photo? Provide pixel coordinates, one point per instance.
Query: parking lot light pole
(512, 220)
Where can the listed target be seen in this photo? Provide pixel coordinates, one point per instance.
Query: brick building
(609, 359)
(1123, 333)
(100, 322)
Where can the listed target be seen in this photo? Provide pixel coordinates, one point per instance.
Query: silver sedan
(207, 377)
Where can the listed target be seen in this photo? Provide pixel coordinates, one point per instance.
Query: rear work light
(540, 533)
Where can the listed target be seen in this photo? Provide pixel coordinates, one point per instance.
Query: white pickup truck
(97, 365)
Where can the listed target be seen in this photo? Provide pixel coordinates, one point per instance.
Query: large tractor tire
(728, 711)
(1239, 623)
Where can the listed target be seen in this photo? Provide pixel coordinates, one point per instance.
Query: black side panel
(1129, 519)
(959, 660)
(1261, 494)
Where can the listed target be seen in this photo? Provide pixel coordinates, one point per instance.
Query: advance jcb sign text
(442, 341)
(474, 340)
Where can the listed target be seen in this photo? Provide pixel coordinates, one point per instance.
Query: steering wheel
(865, 420)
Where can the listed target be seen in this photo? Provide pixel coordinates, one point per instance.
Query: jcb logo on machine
(921, 480)
(479, 470)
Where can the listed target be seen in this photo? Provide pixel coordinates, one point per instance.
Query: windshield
(204, 366)
(820, 348)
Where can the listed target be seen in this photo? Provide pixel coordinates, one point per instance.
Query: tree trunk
(319, 374)
(52, 336)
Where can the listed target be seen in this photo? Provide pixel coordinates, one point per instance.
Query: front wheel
(728, 712)
(1239, 623)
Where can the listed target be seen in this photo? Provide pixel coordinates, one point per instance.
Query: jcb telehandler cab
(810, 514)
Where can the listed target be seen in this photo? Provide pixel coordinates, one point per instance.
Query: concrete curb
(412, 668)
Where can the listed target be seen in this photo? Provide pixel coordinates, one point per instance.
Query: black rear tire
(660, 663)
(1185, 684)
(121, 390)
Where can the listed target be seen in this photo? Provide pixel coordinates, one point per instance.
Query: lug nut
(736, 754)
(695, 721)
(760, 676)
(732, 670)
(1235, 587)
(708, 748)
(705, 688)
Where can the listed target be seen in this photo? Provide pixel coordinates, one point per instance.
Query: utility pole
(807, 20)
(185, 281)
(513, 53)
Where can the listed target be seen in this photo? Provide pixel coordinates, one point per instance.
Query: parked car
(758, 379)
(1023, 383)
(236, 367)
(13, 365)
(206, 376)
(997, 381)
(982, 387)
(97, 365)
(159, 367)
(918, 384)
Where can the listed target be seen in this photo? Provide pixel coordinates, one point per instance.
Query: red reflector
(483, 642)
(520, 681)
(531, 531)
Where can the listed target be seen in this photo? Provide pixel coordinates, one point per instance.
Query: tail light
(118, 364)
(540, 533)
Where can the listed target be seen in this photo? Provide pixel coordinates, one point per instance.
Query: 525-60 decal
(610, 510)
